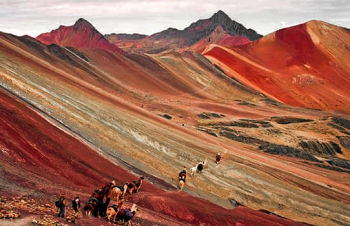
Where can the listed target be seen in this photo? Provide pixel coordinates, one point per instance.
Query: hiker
(61, 205)
(76, 205)
(218, 158)
(103, 207)
(182, 174)
(98, 194)
(201, 165)
(182, 178)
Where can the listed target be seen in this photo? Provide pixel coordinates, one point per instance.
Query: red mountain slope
(220, 37)
(306, 65)
(117, 103)
(81, 35)
(37, 155)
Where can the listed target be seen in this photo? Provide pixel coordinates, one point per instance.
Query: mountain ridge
(81, 35)
(173, 38)
(303, 65)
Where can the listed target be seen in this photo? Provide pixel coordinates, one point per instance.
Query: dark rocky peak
(82, 23)
(220, 17)
(203, 28)
(232, 27)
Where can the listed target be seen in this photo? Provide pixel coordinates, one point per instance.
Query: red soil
(81, 35)
(40, 147)
(294, 65)
(32, 145)
(220, 37)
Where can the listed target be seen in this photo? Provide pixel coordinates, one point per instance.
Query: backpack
(59, 202)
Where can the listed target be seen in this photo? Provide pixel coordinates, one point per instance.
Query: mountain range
(80, 109)
(219, 29)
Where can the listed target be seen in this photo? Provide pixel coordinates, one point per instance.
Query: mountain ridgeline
(173, 38)
(202, 28)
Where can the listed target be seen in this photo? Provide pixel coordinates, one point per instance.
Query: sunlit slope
(306, 65)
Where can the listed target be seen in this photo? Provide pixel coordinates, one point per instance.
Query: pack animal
(198, 168)
(181, 184)
(125, 215)
(89, 208)
(118, 192)
(112, 211)
(138, 184)
(106, 189)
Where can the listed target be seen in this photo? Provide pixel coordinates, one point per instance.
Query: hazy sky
(149, 16)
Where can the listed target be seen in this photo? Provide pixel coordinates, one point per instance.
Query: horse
(89, 208)
(98, 194)
(106, 189)
(198, 168)
(113, 210)
(125, 215)
(193, 170)
(134, 186)
(138, 184)
(181, 184)
(117, 192)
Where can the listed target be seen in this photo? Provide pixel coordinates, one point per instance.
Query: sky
(33, 17)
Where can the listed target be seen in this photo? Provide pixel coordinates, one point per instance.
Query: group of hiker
(97, 204)
(196, 169)
(61, 204)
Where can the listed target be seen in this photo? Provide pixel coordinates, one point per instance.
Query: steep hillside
(305, 65)
(81, 35)
(40, 156)
(153, 114)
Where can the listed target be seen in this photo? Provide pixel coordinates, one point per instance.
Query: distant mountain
(306, 65)
(124, 41)
(219, 29)
(82, 35)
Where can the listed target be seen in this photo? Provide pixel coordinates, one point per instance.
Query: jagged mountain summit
(218, 29)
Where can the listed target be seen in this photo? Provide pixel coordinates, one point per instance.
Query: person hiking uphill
(76, 205)
(61, 205)
(218, 158)
(182, 178)
(182, 174)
